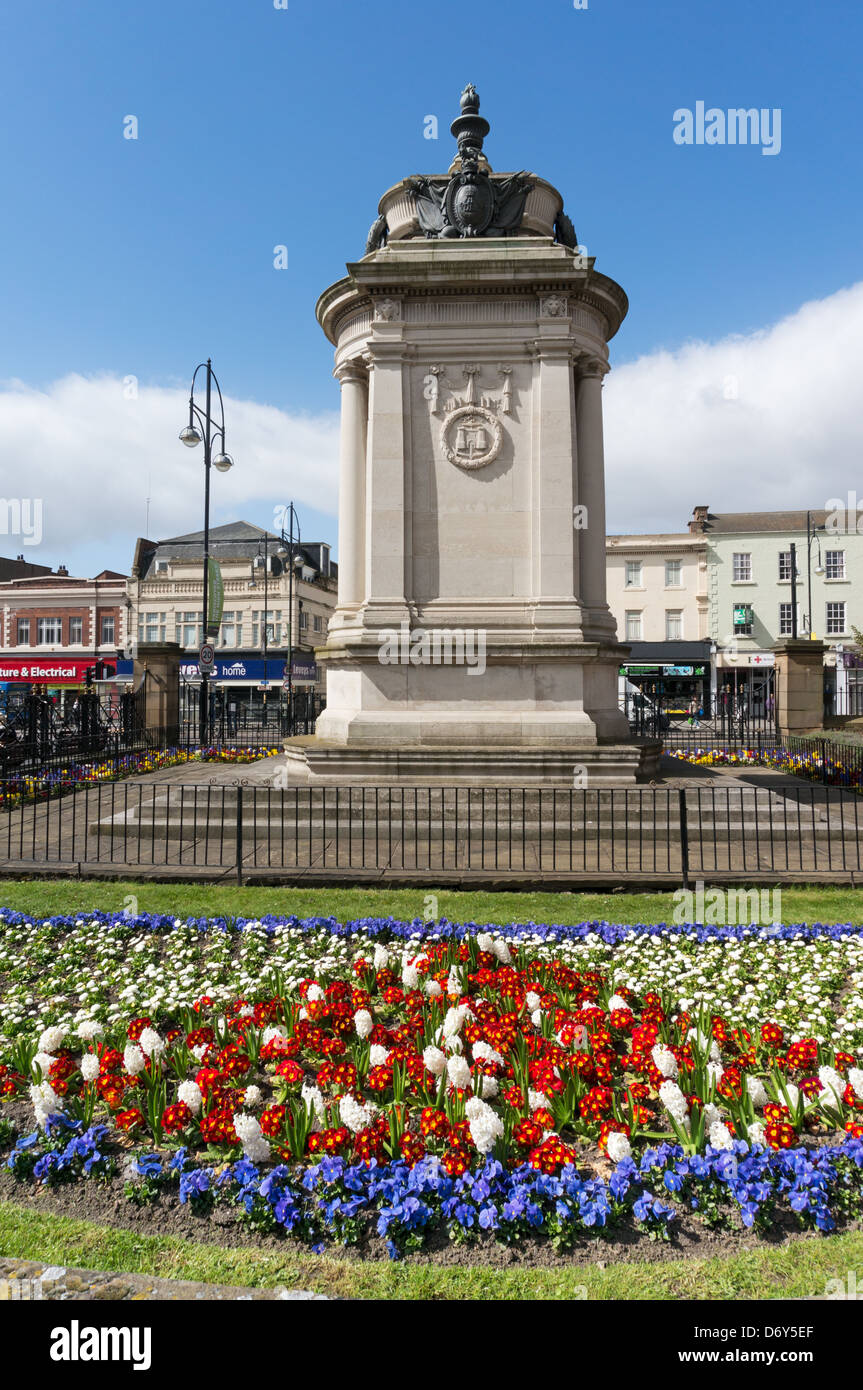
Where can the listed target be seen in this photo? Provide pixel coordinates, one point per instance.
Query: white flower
(434, 1061)
(363, 1022)
(674, 1100)
(793, 1093)
(44, 1060)
(757, 1091)
(432, 988)
(190, 1093)
(453, 1021)
(411, 977)
(501, 951)
(453, 984)
(485, 1126)
(711, 1114)
(150, 1043)
(617, 1001)
(484, 941)
(537, 1100)
(313, 1100)
(381, 958)
(354, 1115)
(618, 1146)
(89, 1030)
(532, 1001)
(756, 1133)
(483, 1051)
(315, 994)
(834, 1088)
(46, 1102)
(536, 1018)
(715, 1071)
(255, 1146)
(855, 1076)
(488, 1087)
(275, 1034)
(664, 1061)
(200, 1052)
(133, 1059)
(378, 1055)
(89, 1066)
(458, 1072)
(253, 1097)
(51, 1039)
(720, 1136)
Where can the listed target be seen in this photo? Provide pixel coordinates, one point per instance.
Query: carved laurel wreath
(475, 412)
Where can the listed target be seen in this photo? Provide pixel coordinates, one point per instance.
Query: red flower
(272, 1120)
(136, 1028)
(290, 1071)
(176, 1117)
(779, 1136)
(128, 1119)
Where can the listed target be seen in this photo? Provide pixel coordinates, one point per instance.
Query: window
(786, 624)
(107, 630)
(23, 632)
(742, 568)
(51, 630)
(76, 631)
(784, 566)
(231, 631)
(633, 574)
(274, 627)
(152, 627)
(835, 619)
(674, 624)
(834, 564)
(190, 629)
(317, 622)
(161, 566)
(742, 620)
(673, 574)
(633, 626)
(304, 620)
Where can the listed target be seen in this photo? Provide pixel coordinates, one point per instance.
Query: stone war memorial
(472, 641)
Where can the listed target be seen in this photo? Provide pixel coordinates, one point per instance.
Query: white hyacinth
(501, 951)
(855, 1076)
(315, 994)
(363, 1022)
(89, 1066)
(44, 1061)
(313, 1100)
(381, 958)
(485, 1125)
(537, 1100)
(618, 1146)
(664, 1061)
(757, 1091)
(378, 1056)
(46, 1102)
(485, 941)
(454, 1020)
(834, 1088)
(532, 1000)
(189, 1092)
(199, 1052)
(255, 1146)
(755, 1132)
(453, 984)
(617, 1001)
(458, 1072)
(88, 1031)
(51, 1039)
(354, 1115)
(133, 1059)
(483, 1051)
(434, 1061)
(536, 1018)
(720, 1136)
(253, 1096)
(432, 988)
(271, 1034)
(711, 1114)
(151, 1044)
(411, 977)
(793, 1093)
(674, 1100)
(488, 1087)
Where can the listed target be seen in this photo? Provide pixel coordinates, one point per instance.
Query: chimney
(698, 524)
(61, 569)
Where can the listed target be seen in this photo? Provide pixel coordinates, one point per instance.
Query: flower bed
(25, 787)
(827, 768)
(394, 1079)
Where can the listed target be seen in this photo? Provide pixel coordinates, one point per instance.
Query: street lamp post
(192, 436)
(263, 557)
(289, 539)
(811, 535)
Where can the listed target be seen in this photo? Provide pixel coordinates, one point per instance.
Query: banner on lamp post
(215, 597)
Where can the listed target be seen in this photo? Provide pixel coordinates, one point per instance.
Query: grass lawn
(798, 1270)
(46, 897)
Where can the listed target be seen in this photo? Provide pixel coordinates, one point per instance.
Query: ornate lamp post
(262, 560)
(192, 436)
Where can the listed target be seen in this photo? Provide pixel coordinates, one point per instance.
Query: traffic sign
(206, 657)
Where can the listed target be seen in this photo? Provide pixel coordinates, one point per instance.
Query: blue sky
(260, 127)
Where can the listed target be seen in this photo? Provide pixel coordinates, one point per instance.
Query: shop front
(60, 677)
(674, 677)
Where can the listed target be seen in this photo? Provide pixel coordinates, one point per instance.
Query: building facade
(657, 592)
(257, 628)
(56, 628)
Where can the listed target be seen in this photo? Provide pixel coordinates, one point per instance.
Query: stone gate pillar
(158, 665)
(800, 685)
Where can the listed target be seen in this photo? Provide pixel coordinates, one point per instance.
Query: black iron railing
(519, 833)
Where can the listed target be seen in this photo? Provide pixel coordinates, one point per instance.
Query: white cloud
(789, 436)
(88, 452)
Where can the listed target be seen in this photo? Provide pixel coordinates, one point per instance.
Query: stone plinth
(800, 685)
(158, 665)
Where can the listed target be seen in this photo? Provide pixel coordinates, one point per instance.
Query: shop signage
(53, 670)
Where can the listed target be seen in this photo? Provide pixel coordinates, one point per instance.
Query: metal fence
(522, 835)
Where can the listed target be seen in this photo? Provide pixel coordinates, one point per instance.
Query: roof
(20, 569)
(739, 523)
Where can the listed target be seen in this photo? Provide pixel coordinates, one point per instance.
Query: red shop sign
(52, 670)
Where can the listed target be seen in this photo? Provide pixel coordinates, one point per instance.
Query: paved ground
(28, 1280)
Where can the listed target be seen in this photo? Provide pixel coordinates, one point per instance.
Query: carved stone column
(385, 502)
(591, 492)
(352, 482)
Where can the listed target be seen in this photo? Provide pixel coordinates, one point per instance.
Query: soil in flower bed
(105, 1204)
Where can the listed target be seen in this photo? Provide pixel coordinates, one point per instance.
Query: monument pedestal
(312, 760)
(472, 638)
